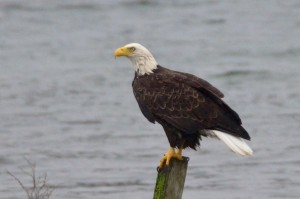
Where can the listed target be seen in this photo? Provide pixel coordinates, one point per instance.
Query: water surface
(67, 105)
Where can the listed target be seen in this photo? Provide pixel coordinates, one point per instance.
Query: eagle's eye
(132, 49)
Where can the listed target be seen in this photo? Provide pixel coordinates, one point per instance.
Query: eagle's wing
(196, 82)
(185, 103)
(166, 101)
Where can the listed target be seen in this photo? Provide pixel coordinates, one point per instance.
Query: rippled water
(67, 105)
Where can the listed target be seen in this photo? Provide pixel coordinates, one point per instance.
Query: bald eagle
(186, 106)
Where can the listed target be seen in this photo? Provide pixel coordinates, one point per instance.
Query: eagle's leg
(166, 158)
(175, 140)
(165, 161)
(179, 153)
(179, 150)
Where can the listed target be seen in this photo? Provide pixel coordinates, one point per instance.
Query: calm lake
(67, 105)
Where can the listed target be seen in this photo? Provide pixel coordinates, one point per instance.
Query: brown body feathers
(185, 105)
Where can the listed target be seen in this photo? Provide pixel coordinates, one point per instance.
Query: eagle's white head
(142, 60)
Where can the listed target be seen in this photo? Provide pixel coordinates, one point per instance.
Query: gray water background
(67, 105)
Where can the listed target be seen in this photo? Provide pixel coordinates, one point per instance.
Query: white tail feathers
(236, 144)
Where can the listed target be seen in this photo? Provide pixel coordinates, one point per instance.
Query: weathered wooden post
(170, 183)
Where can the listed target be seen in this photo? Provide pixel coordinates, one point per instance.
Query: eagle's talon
(158, 169)
(165, 161)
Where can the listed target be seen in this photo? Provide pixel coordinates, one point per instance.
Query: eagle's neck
(144, 64)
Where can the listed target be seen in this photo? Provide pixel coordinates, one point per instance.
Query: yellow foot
(165, 161)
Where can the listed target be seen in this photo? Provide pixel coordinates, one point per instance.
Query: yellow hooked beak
(122, 52)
